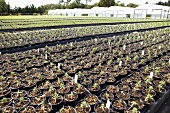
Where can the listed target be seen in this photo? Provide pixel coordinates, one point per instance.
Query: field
(53, 64)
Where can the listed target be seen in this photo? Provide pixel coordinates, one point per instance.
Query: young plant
(21, 99)
(134, 110)
(55, 96)
(18, 82)
(102, 106)
(83, 104)
(95, 85)
(4, 100)
(51, 89)
(150, 89)
(149, 97)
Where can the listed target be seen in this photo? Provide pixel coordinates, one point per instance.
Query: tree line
(63, 4)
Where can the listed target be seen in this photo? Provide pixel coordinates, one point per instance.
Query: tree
(160, 3)
(146, 2)
(106, 3)
(121, 4)
(133, 5)
(3, 7)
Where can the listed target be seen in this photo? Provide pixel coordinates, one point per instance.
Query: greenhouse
(142, 11)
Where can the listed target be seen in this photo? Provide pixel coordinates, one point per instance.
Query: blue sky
(23, 3)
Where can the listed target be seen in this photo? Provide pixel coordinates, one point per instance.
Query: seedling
(107, 95)
(56, 95)
(47, 83)
(149, 97)
(12, 73)
(4, 100)
(102, 106)
(2, 78)
(78, 86)
(61, 85)
(83, 104)
(66, 74)
(138, 83)
(134, 110)
(95, 85)
(162, 82)
(102, 73)
(18, 82)
(110, 61)
(21, 99)
(133, 104)
(150, 89)
(160, 87)
(35, 89)
(51, 89)
(30, 82)
(79, 74)
(39, 76)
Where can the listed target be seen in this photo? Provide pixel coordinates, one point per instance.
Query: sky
(23, 3)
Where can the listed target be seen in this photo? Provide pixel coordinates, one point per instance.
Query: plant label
(76, 78)
(151, 75)
(141, 43)
(154, 39)
(109, 43)
(120, 63)
(159, 47)
(46, 56)
(124, 47)
(169, 60)
(58, 65)
(143, 52)
(38, 50)
(100, 54)
(0, 53)
(95, 40)
(108, 104)
(114, 37)
(71, 44)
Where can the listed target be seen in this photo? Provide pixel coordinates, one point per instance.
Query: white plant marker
(141, 43)
(38, 50)
(151, 75)
(76, 78)
(46, 56)
(109, 43)
(0, 53)
(95, 40)
(114, 37)
(169, 60)
(159, 47)
(108, 104)
(58, 65)
(143, 52)
(71, 44)
(154, 39)
(120, 63)
(124, 47)
(100, 54)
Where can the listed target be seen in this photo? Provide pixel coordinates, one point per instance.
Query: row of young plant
(55, 21)
(18, 39)
(98, 63)
(63, 51)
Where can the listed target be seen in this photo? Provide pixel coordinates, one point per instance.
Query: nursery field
(19, 22)
(100, 68)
